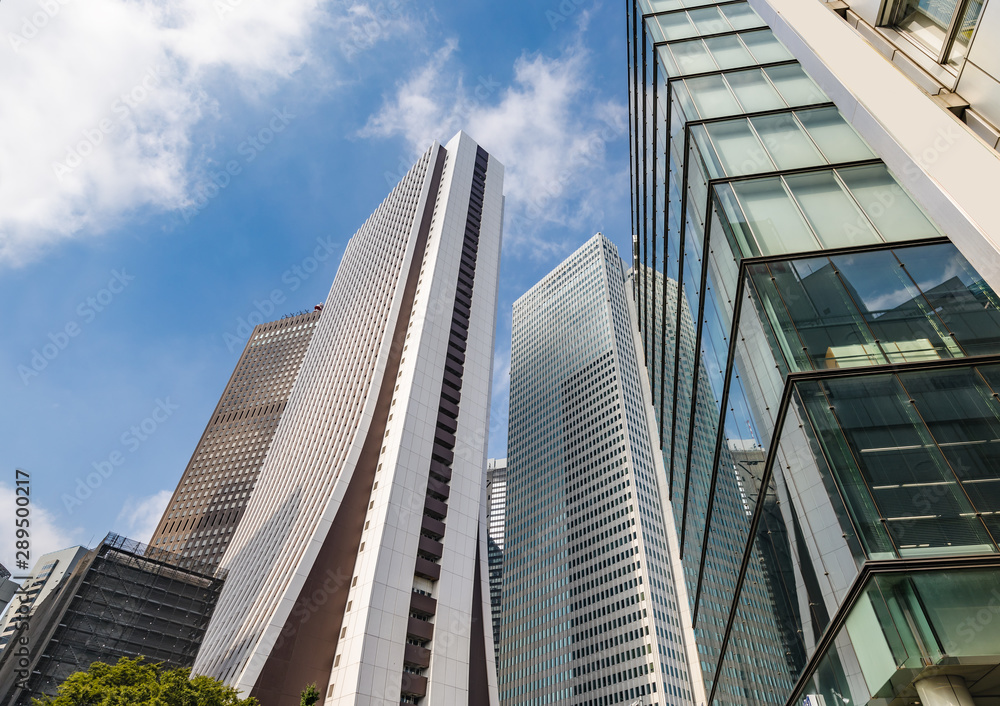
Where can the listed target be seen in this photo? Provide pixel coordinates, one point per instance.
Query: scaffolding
(126, 599)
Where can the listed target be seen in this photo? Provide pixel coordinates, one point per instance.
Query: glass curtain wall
(804, 324)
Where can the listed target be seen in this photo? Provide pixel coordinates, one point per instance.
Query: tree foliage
(310, 696)
(133, 682)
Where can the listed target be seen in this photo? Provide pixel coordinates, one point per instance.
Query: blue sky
(165, 167)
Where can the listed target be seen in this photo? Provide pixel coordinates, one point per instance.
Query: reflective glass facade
(821, 358)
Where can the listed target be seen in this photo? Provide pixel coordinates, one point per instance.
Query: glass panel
(786, 142)
(816, 320)
(709, 20)
(794, 86)
(830, 211)
(765, 47)
(712, 97)
(738, 148)
(906, 626)
(963, 33)
(889, 207)
(753, 91)
(906, 328)
(964, 417)
(702, 143)
(927, 21)
(729, 52)
(842, 464)
(834, 136)
(692, 58)
(662, 5)
(914, 490)
(958, 295)
(676, 25)
(736, 224)
(776, 223)
(741, 16)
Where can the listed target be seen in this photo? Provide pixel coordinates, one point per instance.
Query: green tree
(310, 696)
(131, 681)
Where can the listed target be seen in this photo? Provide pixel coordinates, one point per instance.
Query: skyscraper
(361, 561)
(496, 507)
(591, 612)
(212, 494)
(811, 202)
(47, 574)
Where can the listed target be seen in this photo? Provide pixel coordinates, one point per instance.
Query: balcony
(435, 508)
(419, 629)
(414, 656)
(414, 685)
(425, 605)
(430, 547)
(425, 568)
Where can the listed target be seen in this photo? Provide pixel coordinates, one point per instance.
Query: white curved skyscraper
(360, 564)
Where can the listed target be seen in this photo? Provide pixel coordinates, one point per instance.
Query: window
(943, 28)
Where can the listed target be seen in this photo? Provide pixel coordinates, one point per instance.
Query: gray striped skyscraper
(361, 562)
(591, 608)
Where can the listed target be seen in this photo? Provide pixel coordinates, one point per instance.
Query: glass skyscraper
(591, 612)
(823, 361)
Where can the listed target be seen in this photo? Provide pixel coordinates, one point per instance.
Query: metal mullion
(663, 312)
(667, 42)
(799, 170)
(646, 16)
(630, 54)
(760, 113)
(652, 331)
(699, 329)
(747, 67)
(792, 380)
(952, 31)
(720, 433)
(848, 250)
(680, 311)
(867, 572)
(645, 186)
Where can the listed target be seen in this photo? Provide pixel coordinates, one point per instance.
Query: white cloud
(548, 128)
(45, 535)
(113, 90)
(139, 516)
